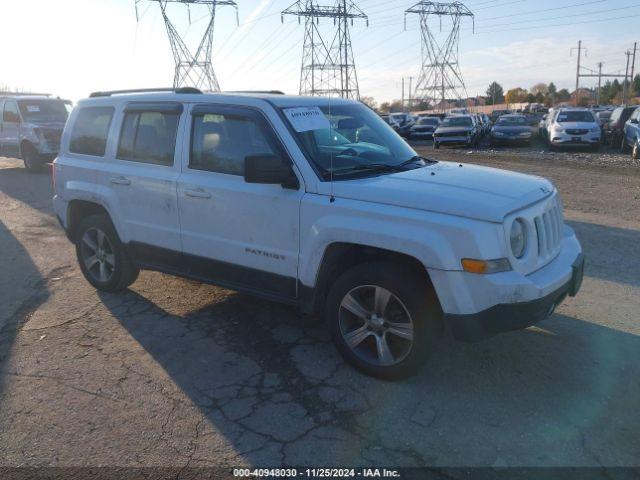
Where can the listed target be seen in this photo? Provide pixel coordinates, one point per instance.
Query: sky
(73, 47)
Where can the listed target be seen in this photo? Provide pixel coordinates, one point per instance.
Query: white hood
(464, 190)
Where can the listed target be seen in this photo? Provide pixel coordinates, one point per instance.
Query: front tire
(623, 144)
(383, 319)
(436, 145)
(103, 259)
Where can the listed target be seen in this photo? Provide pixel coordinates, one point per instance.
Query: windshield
(43, 110)
(456, 122)
(343, 139)
(428, 121)
(511, 121)
(576, 116)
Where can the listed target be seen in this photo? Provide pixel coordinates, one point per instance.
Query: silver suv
(31, 127)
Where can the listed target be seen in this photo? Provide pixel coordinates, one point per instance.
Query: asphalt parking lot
(174, 373)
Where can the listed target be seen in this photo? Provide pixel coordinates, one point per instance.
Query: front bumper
(564, 139)
(507, 300)
(453, 140)
(510, 140)
(514, 316)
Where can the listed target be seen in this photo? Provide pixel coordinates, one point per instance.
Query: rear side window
(221, 141)
(149, 137)
(89, 134)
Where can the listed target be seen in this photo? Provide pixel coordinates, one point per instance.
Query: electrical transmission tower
(328, 68)
(440, 78)
(193, 69)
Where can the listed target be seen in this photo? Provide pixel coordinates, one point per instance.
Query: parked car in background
(603, 117)
(631, 135)
(457, 130)
(31, 127)
(511, 129)
(424, 127)
(574, 127)
(612, 129)
(392, 249)
(404, 121)
(496, 114)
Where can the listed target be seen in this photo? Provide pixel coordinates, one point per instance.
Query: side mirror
(269, 169)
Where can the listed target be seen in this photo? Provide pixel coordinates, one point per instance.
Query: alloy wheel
(376, 325)
(97, 254)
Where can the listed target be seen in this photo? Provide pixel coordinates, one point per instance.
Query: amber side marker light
(485, 266)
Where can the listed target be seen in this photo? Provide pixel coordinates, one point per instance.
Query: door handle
(120, 181)
(197, 193)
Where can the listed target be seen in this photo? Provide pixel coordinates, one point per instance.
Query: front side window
(347, 139)
(149, 137)
(43, 110)
(90, 130)
(221, 141)
(10, 112)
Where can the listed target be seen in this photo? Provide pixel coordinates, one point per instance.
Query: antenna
(192, 70)
(328, 69)
(440, 77)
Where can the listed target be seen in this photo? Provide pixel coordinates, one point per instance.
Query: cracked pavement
(176, 373)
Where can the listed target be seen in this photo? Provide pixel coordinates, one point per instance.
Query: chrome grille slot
(549, 231)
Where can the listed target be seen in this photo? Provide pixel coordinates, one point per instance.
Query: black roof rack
(271, 92)
(145, 90)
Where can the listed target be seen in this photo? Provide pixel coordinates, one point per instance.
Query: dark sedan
(457, 130)
(511, 129)
(424, 127)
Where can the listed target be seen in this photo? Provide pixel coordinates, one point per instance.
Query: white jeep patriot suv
(315, 202)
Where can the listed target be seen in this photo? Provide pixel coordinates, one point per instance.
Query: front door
(239, 234)
(10, 130)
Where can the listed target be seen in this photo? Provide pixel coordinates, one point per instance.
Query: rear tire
(32, 161)
(623, 145)
(103, 259)
(383, 319)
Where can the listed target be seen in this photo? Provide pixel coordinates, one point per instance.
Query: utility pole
(328, 67)
(192, 69)
(578, 68)
(402, 93)
(410, 103)
(599, 82)
(625, 85)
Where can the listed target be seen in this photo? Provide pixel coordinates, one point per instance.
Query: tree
(563, 95)
(636, 85)
(540, 88)
(516, 95)
(370, 102)
(552, 89)
(531, 98)
(495, 94)
(384, 107)
(539, 97)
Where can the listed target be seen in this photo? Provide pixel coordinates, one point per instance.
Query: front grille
(549, 231)
(574, 131)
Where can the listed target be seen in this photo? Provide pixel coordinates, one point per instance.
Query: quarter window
(149, 137)
(221, 142)
(89, 134)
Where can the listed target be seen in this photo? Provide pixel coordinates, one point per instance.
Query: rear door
(238, 234)
(143, 174)
(10, 130)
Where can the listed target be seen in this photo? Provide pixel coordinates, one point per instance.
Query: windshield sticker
(33, 108)
(304, 119)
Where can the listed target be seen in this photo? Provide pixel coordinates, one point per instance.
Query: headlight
(497, 134)
(517, 238)
(558, 129)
